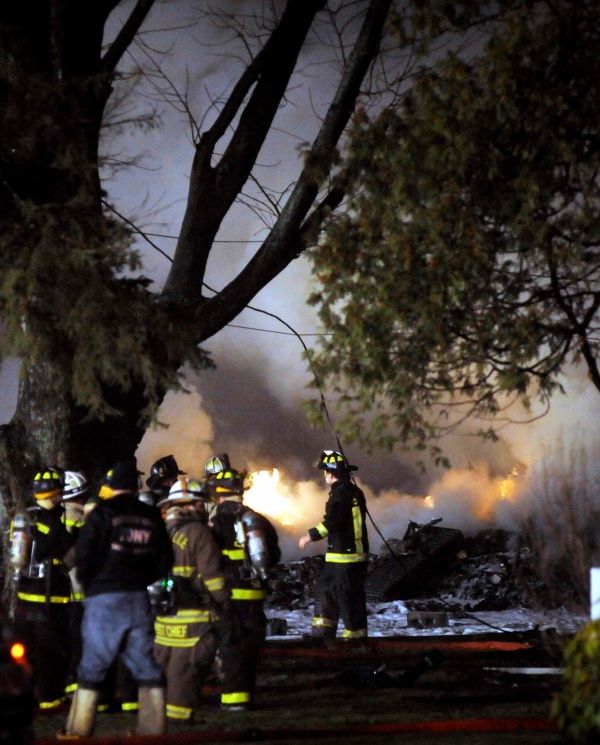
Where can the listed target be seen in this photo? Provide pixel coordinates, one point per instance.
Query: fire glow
(465, 499)
(504, 490)
(268, 494)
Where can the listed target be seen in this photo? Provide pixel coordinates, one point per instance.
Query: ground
(501, 685)
(499, 668)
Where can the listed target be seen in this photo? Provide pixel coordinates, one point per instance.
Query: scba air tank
(256, 542)
(20, 542)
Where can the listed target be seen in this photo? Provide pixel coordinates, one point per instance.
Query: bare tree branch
(126, 35)
(286, 241)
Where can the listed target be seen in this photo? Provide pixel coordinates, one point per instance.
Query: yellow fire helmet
(47, 483)
(334, 462)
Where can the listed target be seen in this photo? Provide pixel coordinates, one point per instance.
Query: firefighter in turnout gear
(75, 492)
(164, 472)
(250, 546)
(44, 591)
(186, 638)
(122, 548)
(340, 589)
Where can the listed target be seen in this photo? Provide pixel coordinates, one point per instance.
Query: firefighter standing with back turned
(122, 548)
(340, 589)
(44, 591)
(186, 637)
(250, 546)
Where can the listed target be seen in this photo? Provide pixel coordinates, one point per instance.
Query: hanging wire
(319, 386)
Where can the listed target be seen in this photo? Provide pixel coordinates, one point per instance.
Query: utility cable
(324, 406)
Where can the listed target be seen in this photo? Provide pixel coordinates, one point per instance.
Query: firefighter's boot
(151, 714)
(82, 714)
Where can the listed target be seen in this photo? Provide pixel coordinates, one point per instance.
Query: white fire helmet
(184, 491)
(76, 485)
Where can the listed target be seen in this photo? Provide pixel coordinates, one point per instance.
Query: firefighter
(122, 548)
(163, 474)
(186, 638)
(214, 465)
(75, 492)
(120, 689)
(340, 589)
(44, 591)
(250, 546)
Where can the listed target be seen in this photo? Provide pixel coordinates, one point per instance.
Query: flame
(268, 495)
(429, 502)
(503, 490)
(508, 486)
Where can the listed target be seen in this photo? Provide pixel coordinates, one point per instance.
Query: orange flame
(504, 490)
(508, 486)
(267, 494)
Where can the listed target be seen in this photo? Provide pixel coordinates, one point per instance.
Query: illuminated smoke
(186, 433)
(236, 412)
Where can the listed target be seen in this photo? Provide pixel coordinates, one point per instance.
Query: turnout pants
(184, 646)
(44, 628)
(240, 656)
(340, 592)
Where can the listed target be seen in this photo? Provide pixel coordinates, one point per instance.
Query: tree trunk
(48, 429)
(51, 165)
(38, 434)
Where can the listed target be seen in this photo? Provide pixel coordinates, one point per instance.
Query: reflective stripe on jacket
(344, 524)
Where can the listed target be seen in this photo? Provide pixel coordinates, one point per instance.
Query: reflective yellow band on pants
(241, 697)
(356, 634)
(237, 593)
(129, 706)
(183, 571)
(179, 712)
(29, 598)
(326, 623)
(189, 615)
(51, 704)
(214, 584)
(174, 631)
(344, 558)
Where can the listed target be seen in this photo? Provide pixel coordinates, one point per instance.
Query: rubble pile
(292, 584)
(498, 570)
(490, 571)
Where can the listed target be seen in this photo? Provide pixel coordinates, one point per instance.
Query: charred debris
(436, 568)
